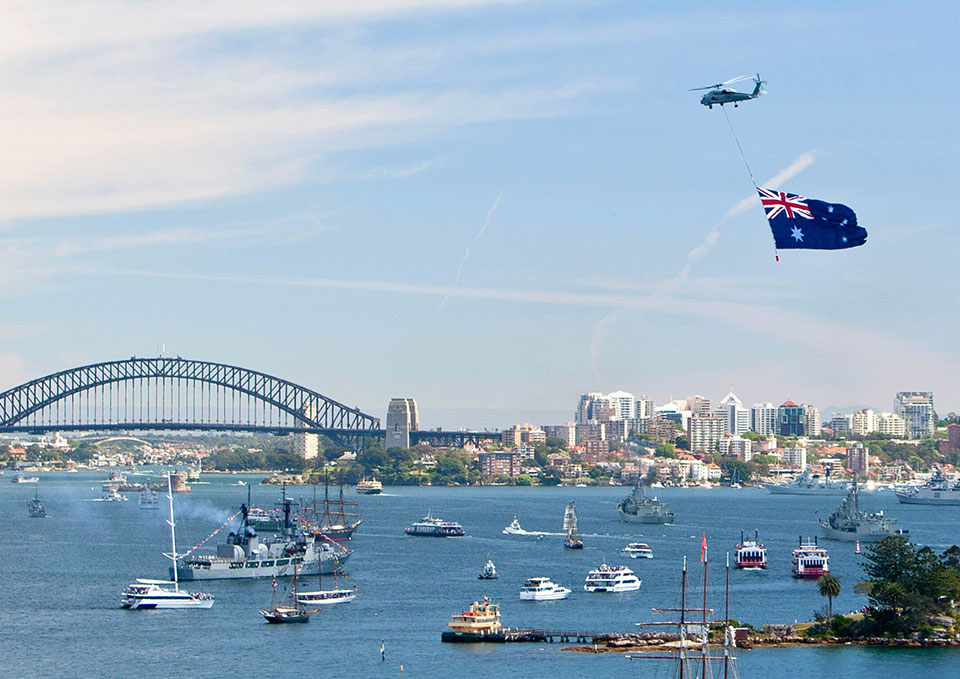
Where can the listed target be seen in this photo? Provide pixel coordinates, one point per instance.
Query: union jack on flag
(790, 204)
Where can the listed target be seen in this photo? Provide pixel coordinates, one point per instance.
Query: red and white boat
(751, 554)
(810, 561)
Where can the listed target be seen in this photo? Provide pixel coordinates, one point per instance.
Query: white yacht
(638, 550)
(542, 589)
(611, 579)
(156, 594)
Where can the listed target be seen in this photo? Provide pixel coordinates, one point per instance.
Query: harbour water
(64, 574)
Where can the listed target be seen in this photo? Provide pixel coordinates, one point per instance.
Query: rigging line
(737, 139)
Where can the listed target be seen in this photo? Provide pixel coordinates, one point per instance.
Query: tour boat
(20, 478)
(158, 594)
(638, 550)
(542, 589)
(810, 561)
(751, 554)
(328, 596)
(433, 527)
(611, 579)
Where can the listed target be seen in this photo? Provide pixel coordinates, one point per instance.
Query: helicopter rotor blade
(737, 79)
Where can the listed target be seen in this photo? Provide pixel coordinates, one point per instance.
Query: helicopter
(721, 94)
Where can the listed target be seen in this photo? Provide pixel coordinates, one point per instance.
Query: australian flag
(805, 223)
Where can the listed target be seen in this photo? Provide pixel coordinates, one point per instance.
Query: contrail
(605, 324)
(466, 253)
(801, 163)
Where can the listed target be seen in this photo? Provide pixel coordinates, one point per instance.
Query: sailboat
(489, 571)
(572, 541)
(151, 594)
(327, 596)
(284, 614)
(694, 627)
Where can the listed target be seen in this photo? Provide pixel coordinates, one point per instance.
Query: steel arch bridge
(177, 394)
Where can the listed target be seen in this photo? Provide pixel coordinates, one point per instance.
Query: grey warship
(851, 524)
(246, 555)
(638, 508)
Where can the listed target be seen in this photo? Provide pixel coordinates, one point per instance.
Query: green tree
(829, 586)
(665, 450)
(524, 480)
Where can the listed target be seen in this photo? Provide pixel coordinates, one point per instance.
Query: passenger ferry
(480, 620)
(154, 594)
(810, 561)
(431, 527)
(751, 554)
(369, 486)
(542, 589)
(638, 550)
(611, 579)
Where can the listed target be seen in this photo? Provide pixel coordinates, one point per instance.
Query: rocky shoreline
(651, 641)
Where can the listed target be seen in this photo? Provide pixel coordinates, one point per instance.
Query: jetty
(507, 635)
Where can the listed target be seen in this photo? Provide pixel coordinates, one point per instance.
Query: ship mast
(173, 536)
(726, 621)
(703, 629)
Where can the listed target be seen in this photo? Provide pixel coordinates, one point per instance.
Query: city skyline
(491, 207)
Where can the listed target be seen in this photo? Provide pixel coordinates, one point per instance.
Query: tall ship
(369, 486)
(809, 560)
(246, 555)
(433, 527)
(851, 524)
(810, 484)
(638, 508)
(339, 517)
(693, 653)
(572, 540)
(937, 491)
(611, 579)
(750, 554)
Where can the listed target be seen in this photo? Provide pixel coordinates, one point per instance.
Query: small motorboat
(638, 550)
(489, 571)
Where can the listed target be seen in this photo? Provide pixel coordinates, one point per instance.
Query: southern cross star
(797, 234)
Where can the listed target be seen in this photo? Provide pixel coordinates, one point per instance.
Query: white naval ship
(246, 555)
(937, 491)
(809, 484)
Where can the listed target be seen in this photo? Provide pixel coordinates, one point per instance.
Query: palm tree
(829, 586)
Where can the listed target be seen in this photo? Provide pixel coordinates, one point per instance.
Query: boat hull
(238, 570)
(150, 604)
(852, 536)
(942, 498)
(646, 518)
(788, 490)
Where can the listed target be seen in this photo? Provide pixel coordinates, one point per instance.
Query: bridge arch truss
(176, 393)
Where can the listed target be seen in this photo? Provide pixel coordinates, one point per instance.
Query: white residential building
(644, 406)
(704, 432)
(811, 421)
(737, 447)
(624, 405)
(763, 418)
(916, 409)
(863, 422)
(892, 425)
(795, 457)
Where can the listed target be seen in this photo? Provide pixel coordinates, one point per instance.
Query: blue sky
(294, 189)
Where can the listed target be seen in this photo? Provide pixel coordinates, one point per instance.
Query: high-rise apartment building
(795, 457)
(520, 434)
(790, 419)
(704, 433)
(858, 460)
(737, 417)
(645, 406)
(891, 424)
(916, 409)
(763, 418)
(566, 432)
(624, 405)
(811, 420)
(698, 405)
(863, 422)
(306, 446)
(841, 423)
(402, 418)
